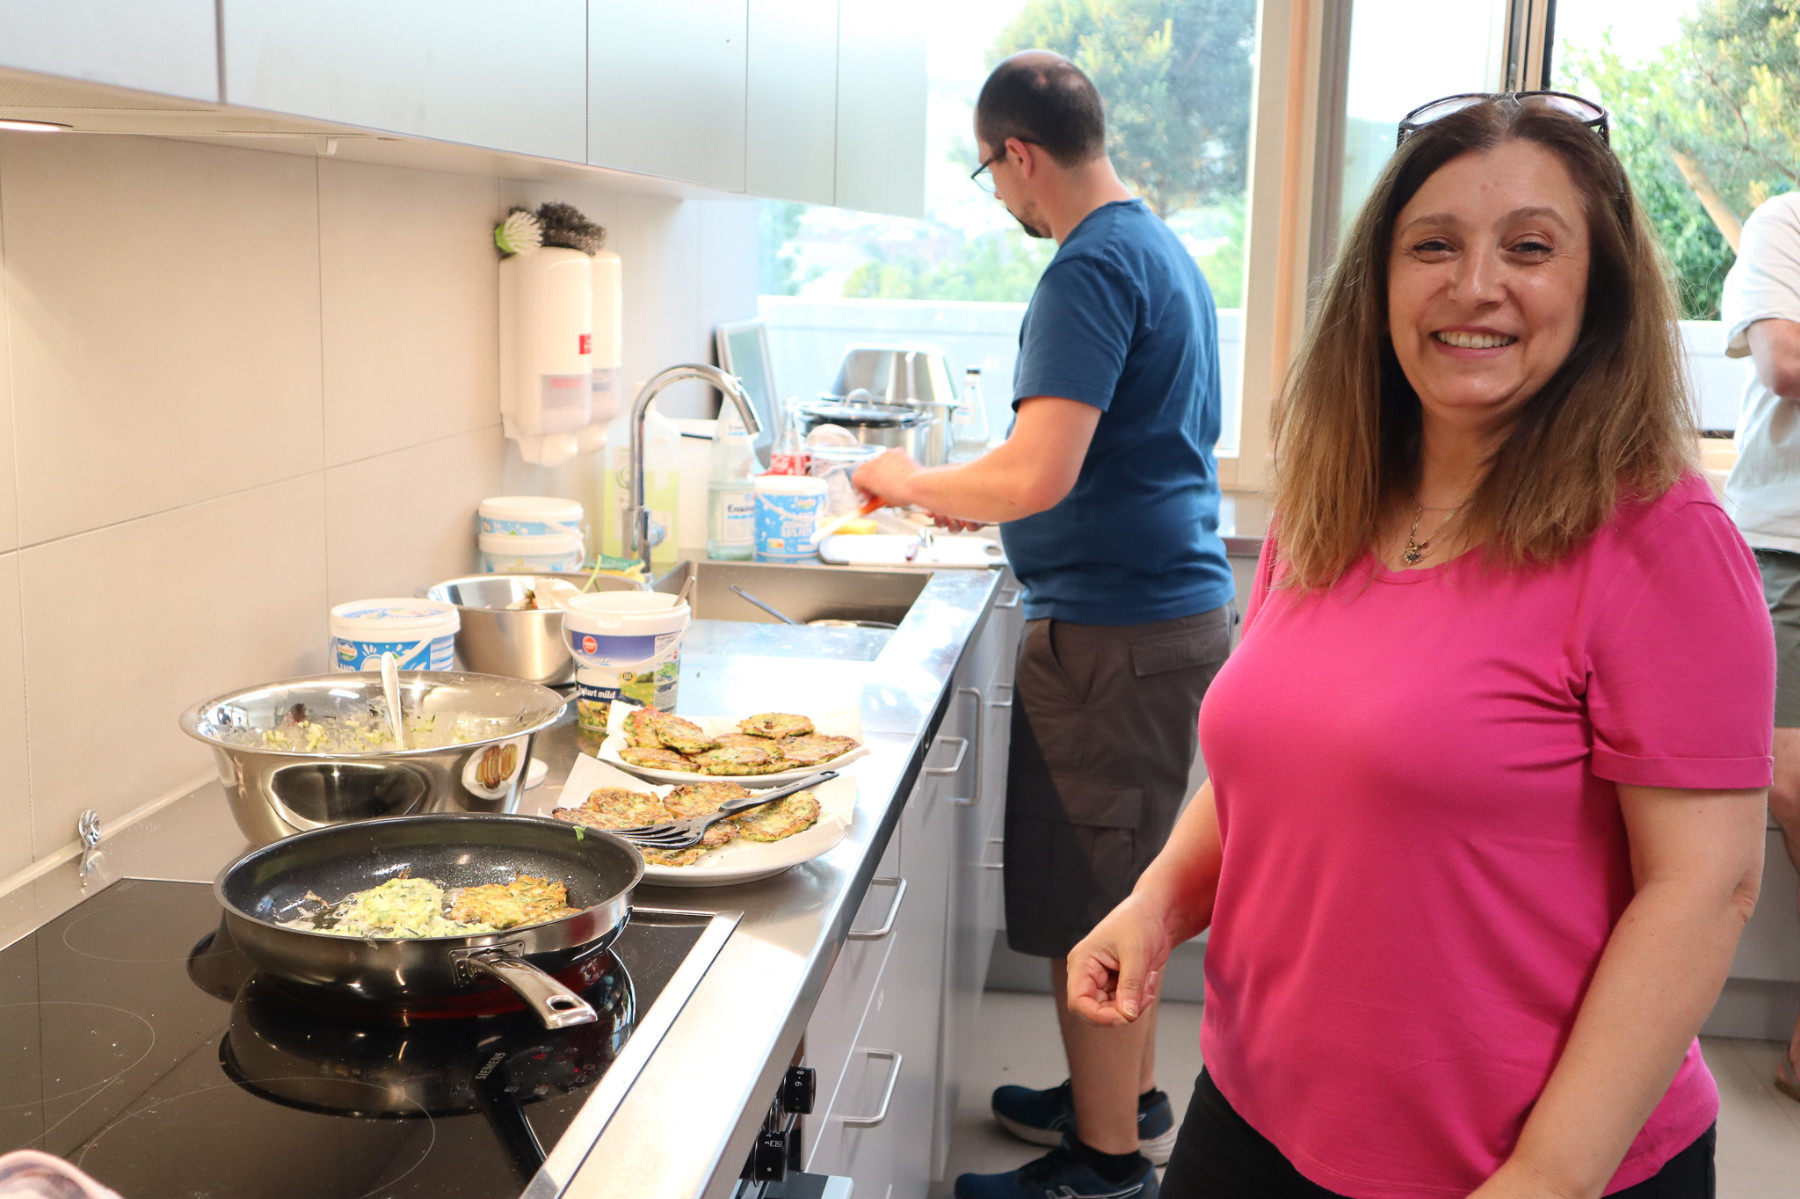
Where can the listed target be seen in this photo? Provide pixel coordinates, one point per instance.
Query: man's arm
(1030, 472)
(1775, 348)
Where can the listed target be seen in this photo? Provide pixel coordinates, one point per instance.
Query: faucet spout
(637, 517)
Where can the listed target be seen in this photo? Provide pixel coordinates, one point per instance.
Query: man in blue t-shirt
(1107, 493)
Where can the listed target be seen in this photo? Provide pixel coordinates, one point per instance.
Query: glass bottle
(789, 455)
(730, 494)
(968, 420)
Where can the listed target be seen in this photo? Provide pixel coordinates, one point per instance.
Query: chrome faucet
(637, 517)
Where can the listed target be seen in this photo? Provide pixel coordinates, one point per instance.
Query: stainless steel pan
(267, 887)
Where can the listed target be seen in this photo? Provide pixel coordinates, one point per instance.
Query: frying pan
(269, 886)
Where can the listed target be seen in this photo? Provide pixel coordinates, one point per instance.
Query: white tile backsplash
(163, 303)
(211, 597)
(407, 519)
(15, 795)
(410, 295)
(244, 386)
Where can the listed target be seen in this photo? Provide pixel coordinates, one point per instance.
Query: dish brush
(520, 233)
(564, 225)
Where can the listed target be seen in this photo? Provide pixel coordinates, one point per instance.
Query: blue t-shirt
(1123, 320)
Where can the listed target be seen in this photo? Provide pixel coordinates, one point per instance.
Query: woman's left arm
(1696, 859)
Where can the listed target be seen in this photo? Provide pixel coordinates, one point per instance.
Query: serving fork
(679, 834)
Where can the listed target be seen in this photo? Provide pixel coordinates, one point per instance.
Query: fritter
(814, 748)
(698, 799)
(776, 725)
(671, 857)
(617, 807)
(738, 759)
(682, 736)
(640, 728)
(752, 740)
(655, 759)
(722, 832)
(780, 818)
(526, 900)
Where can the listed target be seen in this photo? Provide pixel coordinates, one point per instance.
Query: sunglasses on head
(1583, 110)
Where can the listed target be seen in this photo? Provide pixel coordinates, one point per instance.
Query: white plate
(837, 724)
(741, 861)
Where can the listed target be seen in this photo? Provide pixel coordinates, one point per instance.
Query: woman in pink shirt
(1488, 767)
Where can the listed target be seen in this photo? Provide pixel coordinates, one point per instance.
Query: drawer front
(831, 1032)
(857, 1134)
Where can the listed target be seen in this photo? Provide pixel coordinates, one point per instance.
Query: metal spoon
(390, 688)
(777, 613)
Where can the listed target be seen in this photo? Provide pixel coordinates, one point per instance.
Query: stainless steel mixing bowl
(519, 643)
(276, 792)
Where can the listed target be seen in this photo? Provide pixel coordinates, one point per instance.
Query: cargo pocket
(1197, 649)
(1070, 859)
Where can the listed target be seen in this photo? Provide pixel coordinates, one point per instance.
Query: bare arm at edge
(1696, 858)
(1030, 472)
(1775, 349)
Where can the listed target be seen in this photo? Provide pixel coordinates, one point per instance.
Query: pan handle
(554, 1004)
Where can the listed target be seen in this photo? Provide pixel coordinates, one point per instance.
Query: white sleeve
(1765, 280)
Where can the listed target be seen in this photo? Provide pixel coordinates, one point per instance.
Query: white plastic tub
(516, 554)
(419, 632)
(531, 516)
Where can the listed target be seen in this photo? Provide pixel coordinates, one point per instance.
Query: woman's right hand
(1115, 970)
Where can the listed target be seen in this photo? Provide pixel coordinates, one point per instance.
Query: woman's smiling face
(1487, 283)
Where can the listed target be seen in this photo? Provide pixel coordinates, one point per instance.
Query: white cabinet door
(170, 46)
(791, 100)
(666, 89)
(454, 70)
(916, 963)
(881, 107)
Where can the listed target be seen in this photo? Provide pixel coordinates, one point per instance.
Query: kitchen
(282, 324)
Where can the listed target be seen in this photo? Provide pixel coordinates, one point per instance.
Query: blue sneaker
(1042, 1117)
(1059, 1174)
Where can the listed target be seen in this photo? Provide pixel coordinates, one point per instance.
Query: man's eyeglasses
(1583, 110)
(983, 177)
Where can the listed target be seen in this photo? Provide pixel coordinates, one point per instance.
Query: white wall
(237, 387)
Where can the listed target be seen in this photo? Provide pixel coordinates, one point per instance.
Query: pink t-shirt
(1423, 850)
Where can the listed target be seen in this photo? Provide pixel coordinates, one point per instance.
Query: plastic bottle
(730, 491)
(789, 455)
(968, 420)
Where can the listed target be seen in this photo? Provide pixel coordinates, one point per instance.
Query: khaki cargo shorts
(1104, 731)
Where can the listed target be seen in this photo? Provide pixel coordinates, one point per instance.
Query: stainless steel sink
(803, 592)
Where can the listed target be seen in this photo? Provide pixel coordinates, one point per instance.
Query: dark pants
(1219, 1156)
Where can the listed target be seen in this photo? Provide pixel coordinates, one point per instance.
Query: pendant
(1411, 555)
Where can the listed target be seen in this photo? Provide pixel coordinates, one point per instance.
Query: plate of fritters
(754, 844)
(763, 749)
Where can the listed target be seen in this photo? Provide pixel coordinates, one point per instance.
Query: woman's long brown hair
(1612, 424)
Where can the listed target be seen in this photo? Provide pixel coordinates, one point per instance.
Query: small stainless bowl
(518, 643)
(274, 793)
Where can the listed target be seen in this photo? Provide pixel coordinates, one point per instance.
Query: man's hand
(956, 526)
(887, 478)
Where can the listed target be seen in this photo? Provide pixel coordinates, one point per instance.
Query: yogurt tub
(626, 645)
(788, 511)
(419, 632)
(518, 554)
(531, 516)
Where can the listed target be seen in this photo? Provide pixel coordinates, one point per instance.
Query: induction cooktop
(138, 1043)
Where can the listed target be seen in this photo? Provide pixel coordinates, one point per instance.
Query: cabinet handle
(887, 926)
(1001, 864)
(887, 1097)
(980, 741)
(1002, 703)
(1017, 594)
(962, 751)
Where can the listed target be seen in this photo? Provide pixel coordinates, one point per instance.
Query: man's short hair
(1044, 100)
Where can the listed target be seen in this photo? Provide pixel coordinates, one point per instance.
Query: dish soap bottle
(968, 420)
(730, 494)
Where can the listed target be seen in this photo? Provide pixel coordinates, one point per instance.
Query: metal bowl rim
(191, 717)
(425, 592)
(473, 939)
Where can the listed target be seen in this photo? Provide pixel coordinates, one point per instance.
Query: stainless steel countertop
(685, 1125)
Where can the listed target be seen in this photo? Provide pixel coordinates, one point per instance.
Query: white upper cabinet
(170, 47)
(511, 78)
(791, 103)
(881, 107)
(666, 85)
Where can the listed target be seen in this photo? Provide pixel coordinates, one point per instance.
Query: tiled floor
(1759, 1128)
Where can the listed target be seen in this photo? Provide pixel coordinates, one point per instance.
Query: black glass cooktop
(136, 1042)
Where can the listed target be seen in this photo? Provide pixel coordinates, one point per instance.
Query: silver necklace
(1415, 550)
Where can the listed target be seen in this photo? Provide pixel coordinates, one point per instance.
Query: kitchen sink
(802, 592)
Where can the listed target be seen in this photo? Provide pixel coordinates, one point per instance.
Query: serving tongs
(680, 834)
